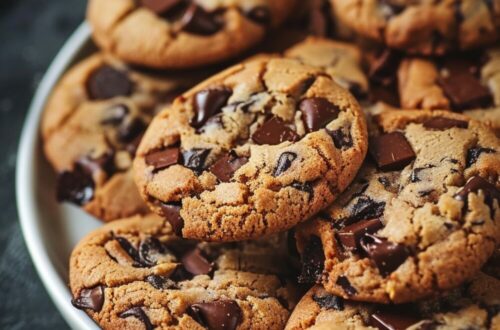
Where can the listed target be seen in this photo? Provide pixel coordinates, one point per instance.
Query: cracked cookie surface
(136, 274)
(92, 125)
(422, 215)
(182, 33)
(252, 151)
(423, 27)
(475, 305)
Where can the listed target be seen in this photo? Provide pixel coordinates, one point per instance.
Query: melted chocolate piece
(350, 236)
(217, 315)
(225, 167)
(391, 151)
(341, 138)
(130, 250)
(75, 186)
(138, 313)
(317, 112)
(344, 283)
(414, 176)
(329, 301)
(364, 208)
(150, 250)
(441, 123)
(473, 155)
(196, 263)
(260, 15)
(161, 7)
(284, 162)
(475, 184)
(274, 131)
(208, 103)
(387, 256)
(194, 159)
(305, 187)
(313, 261)
(90, 299)
(161, 282)
(163, 158)
(172, 212)
(106, 82)
(198, 21)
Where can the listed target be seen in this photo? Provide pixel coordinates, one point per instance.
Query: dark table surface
(31, 33)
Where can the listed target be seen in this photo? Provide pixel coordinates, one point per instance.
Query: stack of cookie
(342, 167)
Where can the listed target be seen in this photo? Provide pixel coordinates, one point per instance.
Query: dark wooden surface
(31, 33)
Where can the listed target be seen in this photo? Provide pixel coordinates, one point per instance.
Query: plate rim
(55, 286)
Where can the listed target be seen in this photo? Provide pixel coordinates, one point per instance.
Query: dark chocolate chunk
(180, 274)
(196, 263)
(115, 114)
(475, 184)
(106, 82)
(414, 176)
(139, 314)
(161, 7)
(388, 256)
(260, 15)
(383, 69)
(465, 91)
(150, 250)
(364, 208)
(90, 299)
(284, 162)
(317, 112)
(329, 301)
(391, 151)
(349, 236)
(214, 121)
(163, 158)
(346, 285)
(198, 21)
(75, 186)
(274, 131)
(171, 211)
(441, 123)
(313, 261)
(208, 103)
(225, 167)
(394, 318)
(161, 282)
(305, 187)
(131, 251)
(341, 138)
(217, 315)
(129, 129)
(195, 159)
(474, 153)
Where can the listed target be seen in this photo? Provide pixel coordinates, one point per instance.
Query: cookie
(422, 216)
(136, 274)
(182, 33)
(252, 151)
(92, 125)
(472, 306)
(423, 27)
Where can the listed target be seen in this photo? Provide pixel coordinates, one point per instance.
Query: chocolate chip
(260, 15)
(75, 186)
(341, 138)
(180, 274)
(319, 22)
(106, 82)
(346, 285)
(313, 261)
(329, 301)
(394, 318)
(90, 299)
(207, 103)
(305, 187)
(387, 256)
(284, 163)
(161, 6)
(441, 123)
(225, 167)
(364, 208)
(115, 114)
(163, 158)
(217, 315)
(465, 91)
(150, 250)
(474, 153)
(171, 211)
(139, 314)
(414, 176)
(349, 236)
(196, 263)
(194, 159)
(161, 282)
(391, 151)
(130, 250)
(214, 121)
(475, 184)
(317, 112)
(129, 129)
(274, 131)
(198, 21)
(383, 69)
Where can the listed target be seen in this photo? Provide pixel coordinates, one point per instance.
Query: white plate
(51, 230)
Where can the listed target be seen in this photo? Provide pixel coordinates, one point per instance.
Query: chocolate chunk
(364, 208)
(180, 274)
(207, 103)
(474, 153)
(319, 22)
(115, 114)
(274, 131)
(106, 82)
(391, 151)
(75, 186)
(90, 299)
(225, 167)
(313, 261)
(138, 313)
(387, 256)
(284, 163)
(329, 301)
(475, 184)
(383, 69)
(305, 85)
(150, 250)
(465, 91)
(394, 318)
(349, 236)
(215, 121)
(441, 123)
(217, 315)
(163, 158)
(346, 285)
(317, 112)
(198, 21)
(104, 163)
(305, 187)
(172, 212)
(161, 282)
(129, 129)
(161, 6)
(196, 263)
(195, 159)
(260, 15)
(131, 251)
(341, 138)
(414, 176)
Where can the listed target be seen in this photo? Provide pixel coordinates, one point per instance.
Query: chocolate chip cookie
(423, 27)
(252, 151)
(475, 305)
(136, 274)
(182, 33)
(421, 217)
(92, 125)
